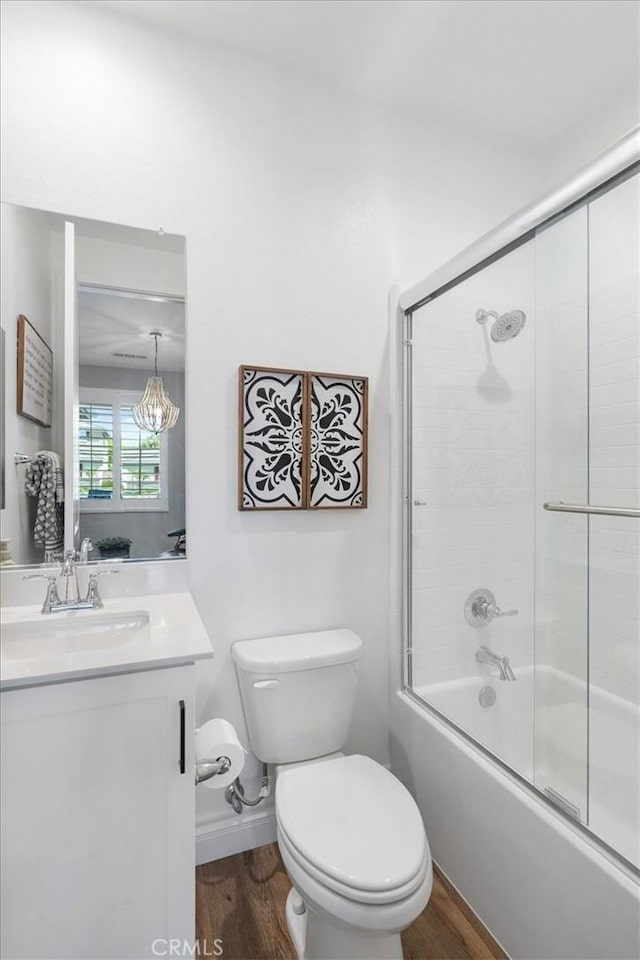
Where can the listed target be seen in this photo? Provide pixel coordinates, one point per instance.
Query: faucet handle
(480, 608)
(499, 612)
(93, 596)
(51, 597)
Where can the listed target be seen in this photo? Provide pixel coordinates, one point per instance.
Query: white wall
(301, 205)
(27, 288)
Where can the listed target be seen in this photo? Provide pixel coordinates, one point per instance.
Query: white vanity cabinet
(97, 807)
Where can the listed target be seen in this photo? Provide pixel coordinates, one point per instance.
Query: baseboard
(224, 836)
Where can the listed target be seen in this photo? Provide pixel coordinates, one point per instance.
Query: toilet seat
(354, 828)
(371, 918)
(367, 897)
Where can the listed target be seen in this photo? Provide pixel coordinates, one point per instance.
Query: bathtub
(534, 876)
(505, 728)
(584, 743)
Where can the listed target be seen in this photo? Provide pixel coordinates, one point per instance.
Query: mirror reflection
(120, 444)
(130, 480)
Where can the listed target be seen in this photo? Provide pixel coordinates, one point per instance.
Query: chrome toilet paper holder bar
(205, 769)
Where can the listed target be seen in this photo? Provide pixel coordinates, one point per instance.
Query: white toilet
(350, 834)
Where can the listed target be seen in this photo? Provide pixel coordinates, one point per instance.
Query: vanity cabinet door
(98, 830)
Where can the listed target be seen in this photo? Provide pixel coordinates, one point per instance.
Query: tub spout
(484, 655)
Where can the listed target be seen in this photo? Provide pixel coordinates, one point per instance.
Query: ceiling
(112, 323)
(524, 69)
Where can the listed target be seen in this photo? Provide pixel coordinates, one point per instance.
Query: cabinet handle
(183, 734)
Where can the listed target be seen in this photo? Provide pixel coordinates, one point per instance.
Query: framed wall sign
(302, 440)
(272, 448)
(338, 424)
(35, 374)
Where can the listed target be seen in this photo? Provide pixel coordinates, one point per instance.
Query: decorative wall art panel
(272, 448)
(338, 421)
(302, 440)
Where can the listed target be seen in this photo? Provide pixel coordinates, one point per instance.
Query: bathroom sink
(130, 633)
(72, 634)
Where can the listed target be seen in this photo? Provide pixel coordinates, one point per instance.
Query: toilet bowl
(350, 834)
(353, 844)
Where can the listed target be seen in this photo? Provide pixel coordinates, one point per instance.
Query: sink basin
(141, 632)
(67, 634)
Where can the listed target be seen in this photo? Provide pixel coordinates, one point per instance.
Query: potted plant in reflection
(114, 547)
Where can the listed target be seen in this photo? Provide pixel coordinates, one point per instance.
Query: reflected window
(120, 467)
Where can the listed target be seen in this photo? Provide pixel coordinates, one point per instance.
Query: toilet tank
(298, 692)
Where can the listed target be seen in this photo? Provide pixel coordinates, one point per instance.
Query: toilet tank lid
(297, 651)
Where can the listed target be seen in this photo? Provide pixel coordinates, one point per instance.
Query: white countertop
(170, 633)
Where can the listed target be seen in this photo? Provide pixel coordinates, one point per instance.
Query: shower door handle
(559, 506)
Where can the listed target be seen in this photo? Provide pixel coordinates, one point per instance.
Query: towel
(44, 479)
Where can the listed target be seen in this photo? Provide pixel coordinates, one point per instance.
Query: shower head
(506, 326)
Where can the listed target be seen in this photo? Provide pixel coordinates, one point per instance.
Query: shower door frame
(611, 168)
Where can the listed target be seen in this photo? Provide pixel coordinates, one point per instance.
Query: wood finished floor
(241, 901)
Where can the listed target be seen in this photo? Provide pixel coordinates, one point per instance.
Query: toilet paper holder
(205, 769)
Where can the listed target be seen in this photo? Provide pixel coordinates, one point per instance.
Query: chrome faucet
(53, 603)
(86, 547)
(70, 574)
(484, 655)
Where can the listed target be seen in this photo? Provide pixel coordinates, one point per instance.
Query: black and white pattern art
(338, 441)
(272, 439)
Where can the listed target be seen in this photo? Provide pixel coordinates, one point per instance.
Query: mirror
(94, 293)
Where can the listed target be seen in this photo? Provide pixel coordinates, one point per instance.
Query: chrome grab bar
(559, 506)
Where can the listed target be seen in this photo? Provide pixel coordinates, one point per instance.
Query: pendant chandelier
(155, 412)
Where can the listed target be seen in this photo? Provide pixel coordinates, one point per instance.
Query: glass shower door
(561, 620)
(614, 541)
(472, 481)
(524, 397)
(587, 585)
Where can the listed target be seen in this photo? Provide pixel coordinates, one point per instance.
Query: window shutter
(139, 459)
(95, 450)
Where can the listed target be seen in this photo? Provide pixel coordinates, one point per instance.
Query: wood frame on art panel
(23, 323)
(365, 440)
(304, 463)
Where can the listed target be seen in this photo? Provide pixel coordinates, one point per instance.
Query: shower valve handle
(498, 612)
(489, 609)
(481, 608)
